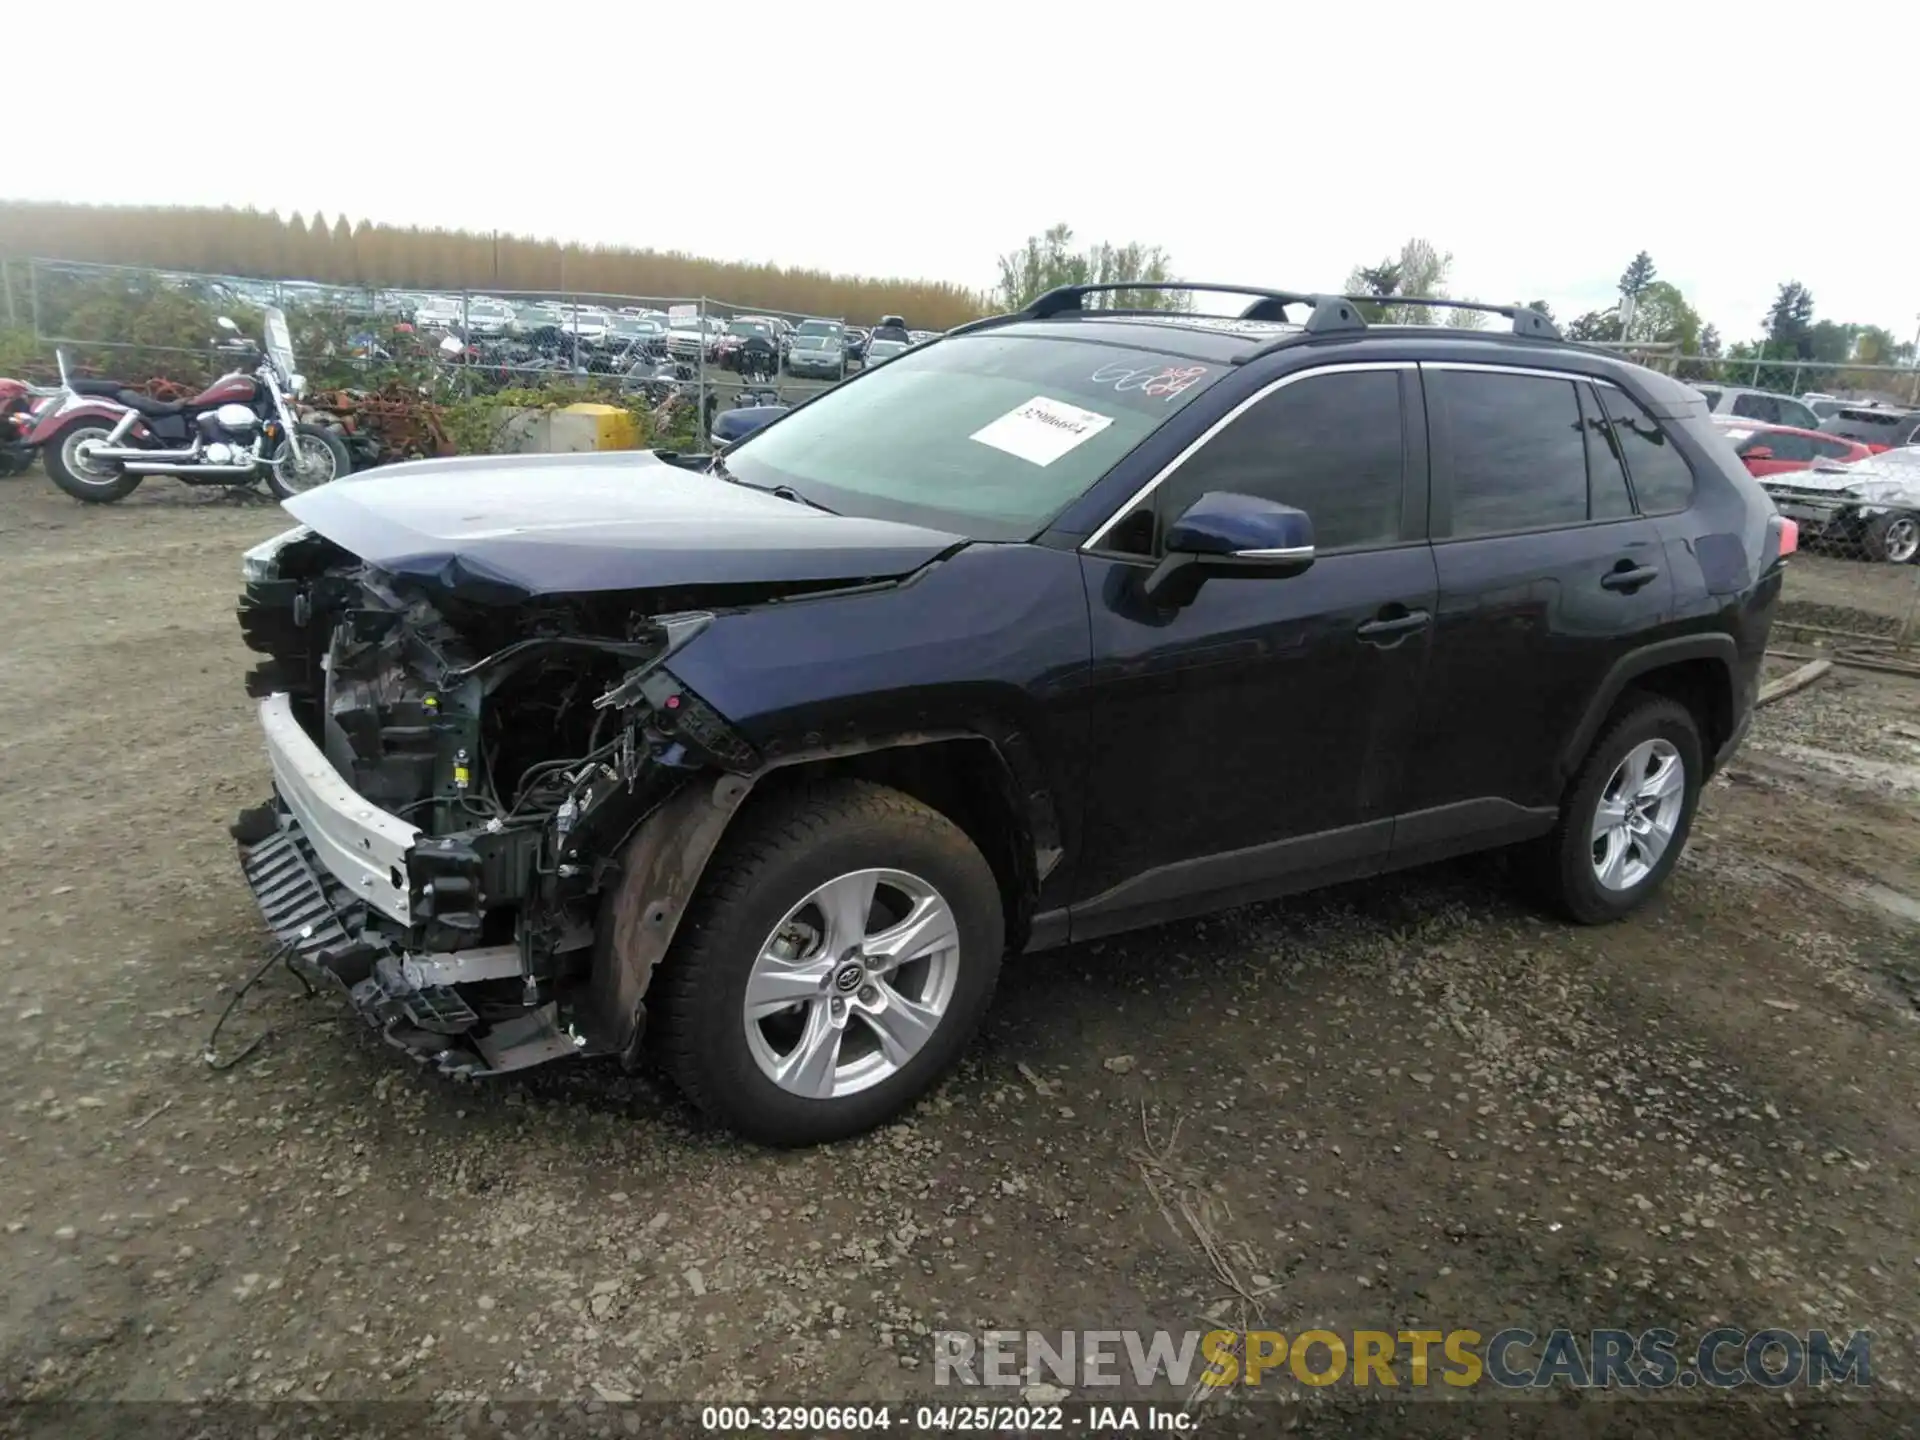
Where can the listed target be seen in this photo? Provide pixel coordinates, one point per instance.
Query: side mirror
(1758, 452)
(1230, 535)
(225, 324)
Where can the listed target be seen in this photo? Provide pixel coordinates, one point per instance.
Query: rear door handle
(1630, 579)
(1390, 632)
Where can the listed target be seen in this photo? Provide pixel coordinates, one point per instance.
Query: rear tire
(69, 469)
(1597, 865)
(1893, 538)
(755, 920)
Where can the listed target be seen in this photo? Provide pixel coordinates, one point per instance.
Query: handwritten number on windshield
(1162, 384)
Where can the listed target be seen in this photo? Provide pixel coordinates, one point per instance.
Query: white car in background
(1870, 506)
(486, 316)
(437, 312)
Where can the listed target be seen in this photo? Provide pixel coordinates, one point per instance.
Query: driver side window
(1329, 444)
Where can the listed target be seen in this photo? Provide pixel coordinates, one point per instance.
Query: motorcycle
(20, 403)
(100, 438)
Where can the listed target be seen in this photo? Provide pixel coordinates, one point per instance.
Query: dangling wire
(214, 1062)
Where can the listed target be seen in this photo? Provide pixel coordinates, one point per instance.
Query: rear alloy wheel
(71, 466)
(1626, 815)
(838, 956)
(1894, 538)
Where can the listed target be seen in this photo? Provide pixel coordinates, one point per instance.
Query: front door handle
(1391, 631)
(1629, 577)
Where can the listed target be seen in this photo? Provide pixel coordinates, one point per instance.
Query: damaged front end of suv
(492, 795)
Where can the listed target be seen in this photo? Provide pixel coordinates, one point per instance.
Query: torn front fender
(660, 868)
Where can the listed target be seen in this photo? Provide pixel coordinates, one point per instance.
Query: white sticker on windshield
(1042, 430)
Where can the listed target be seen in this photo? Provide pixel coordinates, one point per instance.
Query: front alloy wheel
(852, 984)
(839, 953)
(1894, 538)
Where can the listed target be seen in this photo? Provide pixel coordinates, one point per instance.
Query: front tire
(68, 467)
(1893, 538)
(1626, 816)
(323, 458)
(840, 953)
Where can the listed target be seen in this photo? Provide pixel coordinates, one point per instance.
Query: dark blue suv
(1072, 621)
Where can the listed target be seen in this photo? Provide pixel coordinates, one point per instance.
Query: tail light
(1789, 533)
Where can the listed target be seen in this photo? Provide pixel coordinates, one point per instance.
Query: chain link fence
(397, 353)
(1837, 446)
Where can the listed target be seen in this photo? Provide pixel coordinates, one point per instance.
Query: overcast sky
(1541, 144)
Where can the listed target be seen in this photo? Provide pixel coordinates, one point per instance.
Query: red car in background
(1776, 449)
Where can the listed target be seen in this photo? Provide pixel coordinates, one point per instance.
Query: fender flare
(1629, 667)
(52, 428)
(665, 855)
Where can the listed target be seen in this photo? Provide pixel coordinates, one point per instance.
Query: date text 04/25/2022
(1090, 1419)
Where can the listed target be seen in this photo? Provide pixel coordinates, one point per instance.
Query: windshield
(684, 322)
(819, 327)
(989, 436)
(886, 347)
(279, 344)
(750, 327)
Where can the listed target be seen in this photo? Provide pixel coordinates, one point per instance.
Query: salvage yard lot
(1407, 1102)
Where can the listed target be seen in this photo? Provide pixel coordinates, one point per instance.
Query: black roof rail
(1525, 321)
(1329, 312)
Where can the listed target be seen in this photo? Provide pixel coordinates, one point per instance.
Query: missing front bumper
(428, 1004)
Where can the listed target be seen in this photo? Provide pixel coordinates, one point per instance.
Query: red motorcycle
(20, 403)
(101, 438)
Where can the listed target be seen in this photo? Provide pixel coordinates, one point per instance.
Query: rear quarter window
(1662, 479)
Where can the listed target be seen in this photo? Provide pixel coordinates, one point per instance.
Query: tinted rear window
(1662, 481)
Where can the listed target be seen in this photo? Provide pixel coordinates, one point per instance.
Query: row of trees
(254, 244)
(1660, 314)
(265, 246)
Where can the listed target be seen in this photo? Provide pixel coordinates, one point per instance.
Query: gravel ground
(1412, 1101)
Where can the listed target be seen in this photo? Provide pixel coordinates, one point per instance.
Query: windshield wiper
(786, 492)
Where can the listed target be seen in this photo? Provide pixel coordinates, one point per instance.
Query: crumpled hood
(1873, 480)
(559, 524)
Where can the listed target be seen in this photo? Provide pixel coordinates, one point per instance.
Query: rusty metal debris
(394, 422)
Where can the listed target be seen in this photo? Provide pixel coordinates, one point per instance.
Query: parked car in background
(838, 329)
(921, 337)
(489, 317)
(590, 325)
(1870, 507)
(437, 312)
(644, 333)
(879, 351)
(756, 332)
(691, 337)
(1878, 427)
(818, 352)
(1765, 406)
(1774, 449)
(892, 327)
